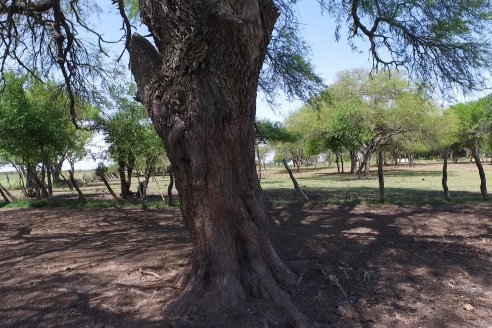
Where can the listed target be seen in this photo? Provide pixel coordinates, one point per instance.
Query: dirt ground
(358, 266)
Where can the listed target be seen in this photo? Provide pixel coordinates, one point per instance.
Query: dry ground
(358, 266)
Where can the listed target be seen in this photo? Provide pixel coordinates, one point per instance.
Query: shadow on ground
(358, 266)
(390, 266)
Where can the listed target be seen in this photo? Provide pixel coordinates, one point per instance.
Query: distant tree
(35, 129)
(133, 142)
(473, 132)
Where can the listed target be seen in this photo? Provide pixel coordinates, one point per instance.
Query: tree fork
(201, 96)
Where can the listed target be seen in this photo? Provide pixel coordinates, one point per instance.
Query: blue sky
(328, 56)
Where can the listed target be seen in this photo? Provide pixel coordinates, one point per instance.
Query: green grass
(72, 203)
(404, 186)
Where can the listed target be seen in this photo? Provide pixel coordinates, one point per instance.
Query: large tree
(198, 79)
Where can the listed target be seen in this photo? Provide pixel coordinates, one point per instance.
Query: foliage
(34, 125)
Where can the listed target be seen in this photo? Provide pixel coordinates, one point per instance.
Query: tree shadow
(358, 195)
(92, 268)
(387, 265)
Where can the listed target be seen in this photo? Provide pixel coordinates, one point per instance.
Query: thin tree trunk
(483, 181)
(447, 195)
(9, 186)
(48, 175)
(125, 189)
(4, 196)
(341, 160)
(259, 161)
(337, 160)
(67, 181)
(170, 201)
(353, 161)
(103, 179)
(40, 186)
(200, 91)
(294, 181)
(73, 182)
(381, 176)
(8, 193)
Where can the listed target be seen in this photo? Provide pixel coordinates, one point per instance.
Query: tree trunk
(381, 176)
(68, 182)
(9, 186)
(40, 186)
(125, 188)
(8, 193)
(259, 161)
(337, 160)
(199, 87)
(48, 175)
(294, 181)
(483, 181)
(106, 183)
(4, 196)
(73, 182)
(447, 195)
(341, 161)
(56, 170)
(170, 201)
(353, 161)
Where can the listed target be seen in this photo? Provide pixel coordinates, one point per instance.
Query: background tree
(472, 133)
(35, 129)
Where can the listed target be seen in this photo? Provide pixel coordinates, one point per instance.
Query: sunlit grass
(420, 184)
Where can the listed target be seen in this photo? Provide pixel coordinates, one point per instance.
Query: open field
(420, 184)
(417, 262)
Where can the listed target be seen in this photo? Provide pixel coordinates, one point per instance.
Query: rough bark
(381, 176)
(483, 181)
(294, 181)
(445, 188)
(199, 87)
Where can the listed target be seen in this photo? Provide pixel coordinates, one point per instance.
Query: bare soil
(358, 266)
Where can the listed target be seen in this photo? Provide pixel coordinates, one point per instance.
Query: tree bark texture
(199, 87)
(483, 181)
(445, 188)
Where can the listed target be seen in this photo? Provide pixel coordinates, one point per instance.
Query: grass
(405, 185)
(73, 203)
